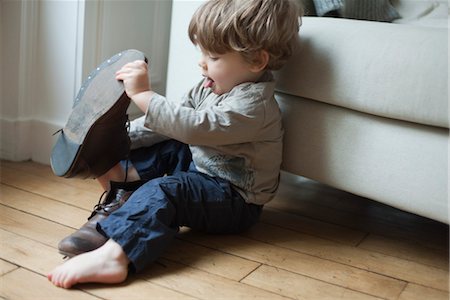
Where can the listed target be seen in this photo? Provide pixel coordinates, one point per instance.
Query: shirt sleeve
(237, 119)
(141, 136)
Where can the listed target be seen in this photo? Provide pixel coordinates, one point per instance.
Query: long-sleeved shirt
(236, 136)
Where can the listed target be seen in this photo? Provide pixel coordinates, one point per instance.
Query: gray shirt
(236, 136)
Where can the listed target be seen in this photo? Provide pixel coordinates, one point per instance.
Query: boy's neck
(264, 76)
(258, 76)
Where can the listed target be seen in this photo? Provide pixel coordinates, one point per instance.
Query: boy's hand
(136, 82)
(135, 78)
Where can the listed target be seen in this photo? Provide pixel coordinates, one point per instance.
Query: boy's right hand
(136, 82)
(135, 77)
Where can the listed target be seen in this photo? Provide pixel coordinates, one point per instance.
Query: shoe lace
(99, 206)
(128, 126)
(57, 131)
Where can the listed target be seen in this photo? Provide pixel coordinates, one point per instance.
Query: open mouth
(208, 82)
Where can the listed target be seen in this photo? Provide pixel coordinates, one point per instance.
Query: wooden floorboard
(25, 284)
(313, 242)
(304, 197)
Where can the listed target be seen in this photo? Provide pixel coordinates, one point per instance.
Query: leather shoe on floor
(95, 137)
(87, 238)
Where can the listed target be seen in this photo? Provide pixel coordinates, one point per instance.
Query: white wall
(112, 26)
(56, 59)
(18, 33)
(46, 49)
(183, 70)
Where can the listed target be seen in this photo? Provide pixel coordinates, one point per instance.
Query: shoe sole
(66, 254)
(100, 103)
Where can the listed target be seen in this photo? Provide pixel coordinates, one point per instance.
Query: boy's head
(247, 26)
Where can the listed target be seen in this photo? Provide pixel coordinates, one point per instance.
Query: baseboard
(33, 139)
(15, 140)
(27, 140)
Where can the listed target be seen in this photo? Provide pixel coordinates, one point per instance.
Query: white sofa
(365, 103)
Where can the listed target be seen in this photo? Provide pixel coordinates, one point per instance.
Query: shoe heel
(63, 155)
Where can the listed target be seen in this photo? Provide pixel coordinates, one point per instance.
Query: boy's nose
(202, 64)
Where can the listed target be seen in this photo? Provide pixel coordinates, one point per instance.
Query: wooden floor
(313, 242)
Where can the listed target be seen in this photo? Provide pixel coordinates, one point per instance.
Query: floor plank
(27, 253)
(201, 284)
(134, 289)
(303, 224)
(42, 186)
(43, 171)
(36, 286)
(417, 292)
(380, 213)
(310, 199)
(390, 266)
(49, 209)
(311, 266)
(32, 227)
(6, 267)
(209, 260)
(298, 286)
(406, 250)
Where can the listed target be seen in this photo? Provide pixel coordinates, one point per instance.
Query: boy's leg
(141, 229)
(150, 162)
(146, 224)
(160, 159)
(118, 174)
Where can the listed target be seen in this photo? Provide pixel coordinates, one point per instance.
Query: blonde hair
(247, 26)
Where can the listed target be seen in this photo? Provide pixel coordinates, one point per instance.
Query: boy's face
(223, 72)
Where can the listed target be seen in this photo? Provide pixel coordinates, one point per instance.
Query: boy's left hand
(135, 78)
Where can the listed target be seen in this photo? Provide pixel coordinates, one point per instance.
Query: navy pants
(146, 224)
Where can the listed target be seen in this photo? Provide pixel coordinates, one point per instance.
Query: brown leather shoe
(95, 137)
(87, 238)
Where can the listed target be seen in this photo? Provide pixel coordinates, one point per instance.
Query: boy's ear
(260, 62)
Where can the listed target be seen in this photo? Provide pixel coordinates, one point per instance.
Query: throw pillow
(372, 10)
(327, 8)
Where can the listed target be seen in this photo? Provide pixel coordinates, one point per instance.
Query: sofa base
(349, 150)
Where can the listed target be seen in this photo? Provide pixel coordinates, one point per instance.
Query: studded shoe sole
(95, 136)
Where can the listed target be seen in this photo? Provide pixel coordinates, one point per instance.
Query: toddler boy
(220, 147)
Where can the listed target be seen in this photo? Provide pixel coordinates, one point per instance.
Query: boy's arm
(233, 123)
(142, 100)
(230, 123)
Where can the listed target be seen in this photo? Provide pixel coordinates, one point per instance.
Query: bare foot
(107, 264)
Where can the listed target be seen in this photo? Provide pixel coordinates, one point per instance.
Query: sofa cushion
(391, 70)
